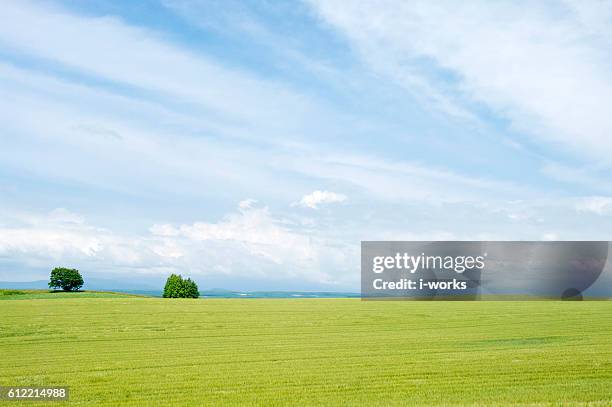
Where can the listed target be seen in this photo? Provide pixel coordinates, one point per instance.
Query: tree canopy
(177, 287)
(66, 279)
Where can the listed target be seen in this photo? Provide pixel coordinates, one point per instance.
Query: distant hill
(24, 285)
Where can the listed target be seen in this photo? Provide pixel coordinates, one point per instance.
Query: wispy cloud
(544, 67)
(317, 198)
(144, 61)
(420, 120)
(600, 205)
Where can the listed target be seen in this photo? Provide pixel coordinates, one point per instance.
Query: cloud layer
(340, 121)
(543, 67)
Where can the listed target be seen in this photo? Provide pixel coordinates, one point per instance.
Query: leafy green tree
(172, 287)
(190, 288)
(66, 279)
(177, 287)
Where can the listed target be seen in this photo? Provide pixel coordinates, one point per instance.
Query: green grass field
(47, 294)
(147, 351)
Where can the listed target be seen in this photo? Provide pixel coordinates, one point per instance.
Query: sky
(253, 145)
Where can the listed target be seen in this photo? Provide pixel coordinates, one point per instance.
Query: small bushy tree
(172, 287)
(177, 287)
(66, 279)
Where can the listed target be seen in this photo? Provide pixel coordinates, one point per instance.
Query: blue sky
(253, 145)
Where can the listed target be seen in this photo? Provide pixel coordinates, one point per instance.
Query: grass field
(148, 351)
(47, 294)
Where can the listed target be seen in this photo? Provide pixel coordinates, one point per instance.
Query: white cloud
(588, 176)
(316, 198)
(62, 236)
(600, 205)
(146, 137)
(62, 215)
(164, 230)
(249, 242)
(87, 124)
(107, 47)
(168, 249)
(185, 136)
(543, 66)
(255, 230)
(247, 203)
(161, 151)
(405, 181)
(50, 243)
(253, 242)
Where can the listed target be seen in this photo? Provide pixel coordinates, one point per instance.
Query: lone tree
(66, 279)
(178, 287)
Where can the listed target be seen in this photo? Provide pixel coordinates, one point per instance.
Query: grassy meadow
(151, 351)
(53, 295)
